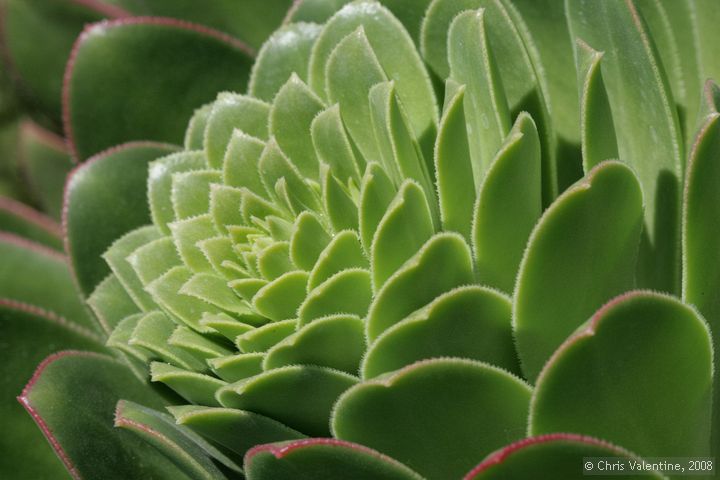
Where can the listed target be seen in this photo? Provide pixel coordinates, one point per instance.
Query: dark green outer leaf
(28, 335)
(37, 275)
(46, 162)
(18, 218)
(40, 63)
(135, 56)
(104, 199)
(72, 398)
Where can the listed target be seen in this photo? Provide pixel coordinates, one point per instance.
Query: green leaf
(399, 150)
(116, 257)
(518, 67)
(286, 52)
(18, 218)
(308, 240)
(165, 290)
(101, 204)
(301, 397)
(597, 130)
(40, 65)
(336, 341)
(701, 230)
(34, 274)
(47, 162)
(111, 303)
(472, 64)
(705, 16)
(404, 228)
(351, 70)
(467, 322)
(395, 55)
(229, 112)
(598, 382)
(88, 444)
(545, 21)
(233, 368)
(560, 453)
(154, 259)
(190, 452)
(236, 430)
(322, 459)
(266, 336)
(446, 413)
(245, 19)
(135, 56)
(348, 291)
(192, 386)
(152, 333)
(581, 253)
(443, 263)
(648, 133)
(294, 108)
(509, 203)
(159, 185)
(190, 192)
(453, 168)
(338, 202)
(332, 145)
(344, 251)
(187, 234)
(280, 299)
(30, 334)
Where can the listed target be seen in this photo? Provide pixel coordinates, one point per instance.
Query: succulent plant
(434, 239)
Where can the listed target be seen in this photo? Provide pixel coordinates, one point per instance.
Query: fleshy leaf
(46, 162)
(294, 108)
(504, 217)
(301, 397)
(348, 291)
(467, 322)
(443, 263)
(134, 55)
(648, 133)
(581, 253)
(75, 437)
(287, 51)
(597, 130)
(160, 184)
(472, 64)
(18, 218)
(333, 146)
(30, 334)
(560, 453)
(236, 430)
(453, 167)
(34, 274)
(230, 112)
(597, 382)
(184, 448)
(394, 53)
(101, 204)
(322, 459)
(701, 230)
(194, 387)
(404, 228)
(336, 341)
(454, 410)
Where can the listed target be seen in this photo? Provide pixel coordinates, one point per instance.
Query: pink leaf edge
(501, 455)
(118, 22)
(31, 215)
(24, 400)
(281, 450)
